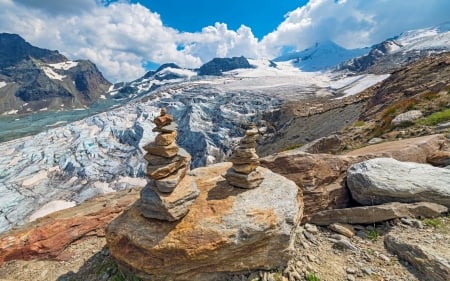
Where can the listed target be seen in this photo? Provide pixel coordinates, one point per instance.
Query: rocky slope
(33, 79)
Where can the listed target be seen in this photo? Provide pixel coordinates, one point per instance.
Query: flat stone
(378, 213)
(172, 127)
(169, 183)
(159, 150)
(160, 160)
(226, 230)
(343, 229)
(252, 132)
(165, 138)
(248, 139)
(162, 121)
(251, 180)
(157, 172)
(168, 206)
(383, 180)
(439, 158)
(245, 168)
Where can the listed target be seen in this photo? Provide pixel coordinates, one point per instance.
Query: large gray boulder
(227, 229)
(383, 180)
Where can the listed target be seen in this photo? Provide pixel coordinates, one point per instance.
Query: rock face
(219, 65)
(226, 230)
(383, 180)
(169, 193)
(433, 262)
(245, 173)
(39, 79)
(321, 177)
(378, 213)
(47, 237)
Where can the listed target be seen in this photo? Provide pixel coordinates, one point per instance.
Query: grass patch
(359, 123)
(373, 234)
(436, 223)
(312, 277)
(292, 146)
(436, 118)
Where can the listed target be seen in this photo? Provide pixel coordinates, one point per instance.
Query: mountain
(219, 65)
(34, 79)
(321, 56)
(401, 50)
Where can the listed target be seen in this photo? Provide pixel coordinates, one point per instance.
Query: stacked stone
(245, 172)
(169, 193)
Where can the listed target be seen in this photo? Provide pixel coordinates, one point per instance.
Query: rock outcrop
(245, 172)
(169, 193)
(321, 177)
(227, 230)
(384, 180)
(378, 213)
(433, 262)
(219, 65)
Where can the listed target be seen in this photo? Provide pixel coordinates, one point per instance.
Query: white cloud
(118, 37)
(353, 23)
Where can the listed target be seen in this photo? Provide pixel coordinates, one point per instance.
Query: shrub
(436, 118)
(312, 277)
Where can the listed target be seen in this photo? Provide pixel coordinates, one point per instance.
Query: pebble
(367, 270)
(385, 258)
(351, 277)
(311, 228)
(351, 270)
(344, 244)
(310, 237)
(343, 229)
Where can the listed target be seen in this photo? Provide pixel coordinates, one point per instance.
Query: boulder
(384, 180)
(439, 158)
(168, 206)
(162, 150)
(47, 237)
(321, 177)
(432, 262)
(407, 117)
(378, 213)
(330, 144)
(226, 230)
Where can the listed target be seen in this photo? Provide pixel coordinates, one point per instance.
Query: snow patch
(2, 84)
(52, 74)
(51, 207)
(42, 175)
(66, 65)
(356, 84)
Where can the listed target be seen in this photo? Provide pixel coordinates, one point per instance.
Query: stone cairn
(245, 172)
(169, 193)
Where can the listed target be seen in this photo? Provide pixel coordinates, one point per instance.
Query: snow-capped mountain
(321, 56)
(396, 52)
(34, 79)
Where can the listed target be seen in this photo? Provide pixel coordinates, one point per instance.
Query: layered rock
(169, 193)
(226, 230)
(245, 172)
(383, 180)
(321, 177)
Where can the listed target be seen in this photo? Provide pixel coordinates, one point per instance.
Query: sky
(125, 38)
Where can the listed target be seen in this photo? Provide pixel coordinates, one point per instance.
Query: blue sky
(124, 37)
(261, 16)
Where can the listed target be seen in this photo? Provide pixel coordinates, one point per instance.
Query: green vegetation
(110, 268)
(292, 146)
(373, 234)
(436, 118)
(436, 222)
(312, 277)
(359, 123)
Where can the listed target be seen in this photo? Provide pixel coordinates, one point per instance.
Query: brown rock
(226, 230)
(253, 131)
(157, 172)
(169, 183)
(160, 160)
(168, 206)
(439, 158)
(321, 176)
(251, 180)
(159, 150)
(172, 127)
(245, 168)
(165, 138)
(164, 120)
(248, 139)
(344, 229)
(242, 156)
(378, 213)
(47, 237)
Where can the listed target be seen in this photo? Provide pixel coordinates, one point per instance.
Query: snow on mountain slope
(78, 160)
(321, 56)
(437, 37)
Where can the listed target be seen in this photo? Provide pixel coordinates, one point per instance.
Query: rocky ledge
(226, 230)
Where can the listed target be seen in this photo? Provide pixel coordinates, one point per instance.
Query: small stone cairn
(169, 193)
(245, 172)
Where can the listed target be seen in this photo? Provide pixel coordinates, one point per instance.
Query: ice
(2, 84)
(51, 207)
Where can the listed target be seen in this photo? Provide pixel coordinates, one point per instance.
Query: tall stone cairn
(168, 194)
(245, 172)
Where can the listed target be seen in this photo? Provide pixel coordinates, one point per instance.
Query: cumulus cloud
(119, 37)
(353, 23)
